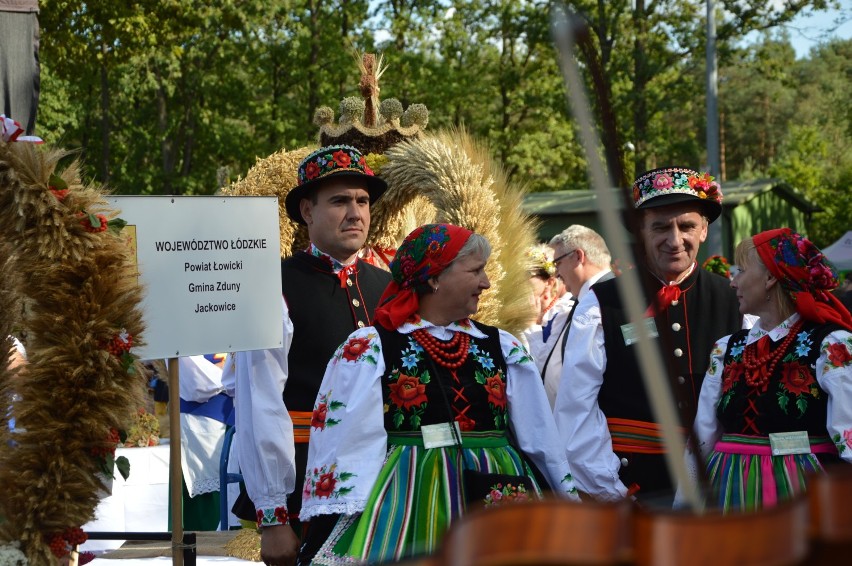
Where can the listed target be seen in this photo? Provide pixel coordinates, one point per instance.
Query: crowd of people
(390, 412)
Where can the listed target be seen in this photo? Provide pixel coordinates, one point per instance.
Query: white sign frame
(210, 268)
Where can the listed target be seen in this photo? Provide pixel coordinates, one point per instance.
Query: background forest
(182, 96)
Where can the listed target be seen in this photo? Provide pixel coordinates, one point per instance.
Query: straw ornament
(432, 177)
(69, 290)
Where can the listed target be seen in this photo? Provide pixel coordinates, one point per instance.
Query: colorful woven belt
(301, 426)
(638, 437)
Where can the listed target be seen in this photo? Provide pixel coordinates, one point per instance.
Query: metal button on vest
(360, 324)
(356, 302)
(624, 462)
(681, 379)
(348, 281)
(678, 352)
(676, 326)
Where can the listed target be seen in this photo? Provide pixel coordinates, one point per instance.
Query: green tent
(748, 207)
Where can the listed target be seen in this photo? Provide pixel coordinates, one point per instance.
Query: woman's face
(460, 286)
(751, 284)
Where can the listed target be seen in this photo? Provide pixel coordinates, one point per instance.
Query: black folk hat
(324, 163)
(673, 185)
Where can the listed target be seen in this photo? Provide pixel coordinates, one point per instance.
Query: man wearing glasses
(581, 258)
(602, 411)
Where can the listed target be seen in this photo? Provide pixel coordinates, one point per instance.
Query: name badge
(783, 443)
(439, 435)
(630, 335)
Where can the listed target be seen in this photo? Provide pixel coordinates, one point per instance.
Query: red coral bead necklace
(753, 363)
(450, 354)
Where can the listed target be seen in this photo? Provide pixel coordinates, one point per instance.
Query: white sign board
(210, 268)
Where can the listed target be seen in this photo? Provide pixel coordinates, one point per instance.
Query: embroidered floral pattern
(495, 385)
(569, 479)
(794, 382)
(843, 442)
(408, 390)
(276, 516)
(838, 355)
(805, 268)
(675, 180)
(330, 160)
(518, 354)
(358, 349)
(324, 482)
(354, 348)
(319, 417)
(501, 494)
(428, 245)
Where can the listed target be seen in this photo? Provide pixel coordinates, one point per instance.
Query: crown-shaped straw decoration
(368, 123)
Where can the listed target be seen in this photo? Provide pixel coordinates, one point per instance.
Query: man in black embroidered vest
(602, 410)
(328, 293)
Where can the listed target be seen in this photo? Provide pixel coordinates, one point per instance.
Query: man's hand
(279, 545)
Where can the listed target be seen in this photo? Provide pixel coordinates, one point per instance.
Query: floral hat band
(330, 160)
(425, 253)
(673, 185)
(805, 273)
(327, 162)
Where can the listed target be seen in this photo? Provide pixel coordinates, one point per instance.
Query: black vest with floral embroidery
(476, 391)
(792, 400)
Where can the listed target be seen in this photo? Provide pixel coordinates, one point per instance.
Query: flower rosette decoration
(705, 186)
(78, 315)
(540, 257)
(718, 264)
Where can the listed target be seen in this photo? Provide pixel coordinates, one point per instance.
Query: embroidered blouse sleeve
(531, 419)
(348, 439)
(834, 374)
(707, 428)
(580, 421)
(264, 442)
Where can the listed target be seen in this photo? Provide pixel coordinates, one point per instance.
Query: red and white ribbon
(12, 130)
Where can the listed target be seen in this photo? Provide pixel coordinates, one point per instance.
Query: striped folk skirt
(417, 495)
(745, 476)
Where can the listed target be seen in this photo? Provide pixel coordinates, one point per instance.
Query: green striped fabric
(418, 493)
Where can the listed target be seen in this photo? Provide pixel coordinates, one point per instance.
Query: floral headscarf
(425, 252)
(805, 273)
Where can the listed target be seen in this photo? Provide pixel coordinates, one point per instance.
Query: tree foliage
(181, 96)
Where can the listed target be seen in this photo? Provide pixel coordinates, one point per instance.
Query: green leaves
(180, 97)
(123, 466)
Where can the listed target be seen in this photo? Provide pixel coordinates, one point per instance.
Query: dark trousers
(19, 67)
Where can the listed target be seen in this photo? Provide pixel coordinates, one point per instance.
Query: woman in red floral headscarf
(776, 403)
(411, 406)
